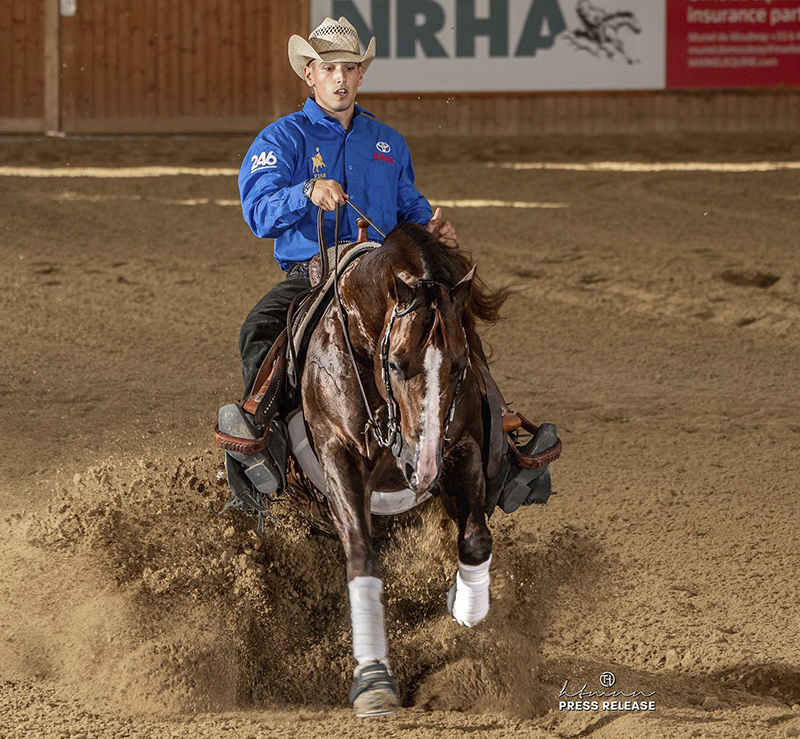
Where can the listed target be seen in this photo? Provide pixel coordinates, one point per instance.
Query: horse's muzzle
(421, 471)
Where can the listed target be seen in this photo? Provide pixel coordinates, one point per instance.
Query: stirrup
(241, 435)
(528, 478)
(253, 478)
(543, 448)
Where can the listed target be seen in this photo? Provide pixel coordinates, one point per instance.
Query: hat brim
(301, 53)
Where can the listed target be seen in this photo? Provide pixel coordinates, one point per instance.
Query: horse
(408, 310)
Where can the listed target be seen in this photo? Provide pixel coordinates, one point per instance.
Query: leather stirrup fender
(497, 436)
(266, 371)
(241, 446)
(262, 404)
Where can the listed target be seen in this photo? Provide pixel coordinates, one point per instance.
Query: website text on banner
(515, 45)
(733, 43)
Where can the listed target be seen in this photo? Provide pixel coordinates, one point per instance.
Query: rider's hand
(327, 194)
(445, 232)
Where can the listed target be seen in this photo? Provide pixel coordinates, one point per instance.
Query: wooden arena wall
(590, 113)
(189, 66)
(22, 65)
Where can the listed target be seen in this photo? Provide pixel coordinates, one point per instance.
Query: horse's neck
(365, 299)
(365, 289)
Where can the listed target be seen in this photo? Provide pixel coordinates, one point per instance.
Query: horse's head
(422, 362)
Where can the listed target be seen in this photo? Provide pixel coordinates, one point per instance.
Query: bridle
(393, 438)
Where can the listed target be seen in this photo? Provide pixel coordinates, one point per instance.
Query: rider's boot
(526, 486)
(253, 477)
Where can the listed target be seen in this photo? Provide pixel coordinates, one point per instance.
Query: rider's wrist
(308, 188)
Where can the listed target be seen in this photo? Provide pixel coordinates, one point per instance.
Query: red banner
(733, 43)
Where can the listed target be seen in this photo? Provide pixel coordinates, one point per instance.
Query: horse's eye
(394, 368)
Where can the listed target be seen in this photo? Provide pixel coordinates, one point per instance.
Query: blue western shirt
(371, 162)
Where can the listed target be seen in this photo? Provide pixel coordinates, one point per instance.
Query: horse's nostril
(409, 472)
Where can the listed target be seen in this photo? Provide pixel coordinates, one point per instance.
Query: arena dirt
(656, 321)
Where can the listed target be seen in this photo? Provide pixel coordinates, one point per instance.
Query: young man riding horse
(321, 156)
(420, 412)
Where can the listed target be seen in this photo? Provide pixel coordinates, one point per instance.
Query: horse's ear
(460, 293)
(401, 292)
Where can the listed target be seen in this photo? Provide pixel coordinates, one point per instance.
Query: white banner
(508, 45)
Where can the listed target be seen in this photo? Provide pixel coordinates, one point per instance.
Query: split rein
(393, 438)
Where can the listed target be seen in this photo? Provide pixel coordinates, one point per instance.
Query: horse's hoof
(374, 692)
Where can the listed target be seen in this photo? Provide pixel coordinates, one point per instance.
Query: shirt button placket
(345, 168)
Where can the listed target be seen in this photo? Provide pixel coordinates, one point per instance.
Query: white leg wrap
(472, 593)
(366, 615)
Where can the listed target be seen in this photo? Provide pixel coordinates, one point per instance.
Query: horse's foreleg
(374, 692)
(464, 498)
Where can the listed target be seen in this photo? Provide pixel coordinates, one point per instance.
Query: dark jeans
(264, 324)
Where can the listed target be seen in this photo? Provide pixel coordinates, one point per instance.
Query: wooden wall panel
(152, 63)
(182, 66)
(21, 61)
(486, 114)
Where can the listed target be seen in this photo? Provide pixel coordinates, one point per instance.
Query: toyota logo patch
(383, 147)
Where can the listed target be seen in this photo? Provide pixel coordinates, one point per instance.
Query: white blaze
(427, 468)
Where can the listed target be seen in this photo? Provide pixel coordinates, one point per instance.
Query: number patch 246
(263, 161)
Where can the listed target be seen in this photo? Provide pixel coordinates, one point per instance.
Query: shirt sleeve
(411, 204)
(272, 202)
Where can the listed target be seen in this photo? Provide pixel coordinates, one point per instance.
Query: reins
(372, 423)
(309, 295)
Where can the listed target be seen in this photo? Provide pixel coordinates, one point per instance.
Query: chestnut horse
(410, 309)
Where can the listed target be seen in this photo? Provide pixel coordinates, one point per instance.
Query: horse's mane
(448, 265)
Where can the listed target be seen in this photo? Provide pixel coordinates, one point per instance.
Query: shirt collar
(316, 114)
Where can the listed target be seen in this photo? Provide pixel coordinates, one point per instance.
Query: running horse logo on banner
(601, 31)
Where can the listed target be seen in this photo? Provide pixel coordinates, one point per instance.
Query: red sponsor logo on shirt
(379, 157)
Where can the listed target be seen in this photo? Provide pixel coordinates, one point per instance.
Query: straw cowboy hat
(331, 41)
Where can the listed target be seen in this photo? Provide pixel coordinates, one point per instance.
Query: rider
(330, 151)
(327, 153)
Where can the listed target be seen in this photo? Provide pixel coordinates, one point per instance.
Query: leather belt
(298, 269)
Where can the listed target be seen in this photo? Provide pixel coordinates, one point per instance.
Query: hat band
(340, 56)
